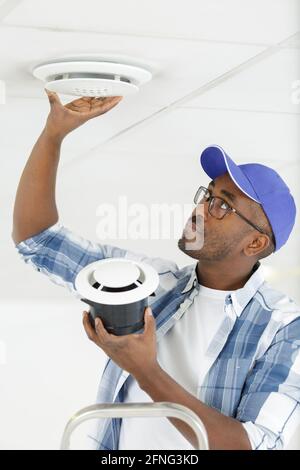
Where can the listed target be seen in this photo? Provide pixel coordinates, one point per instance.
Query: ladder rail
(126, 410)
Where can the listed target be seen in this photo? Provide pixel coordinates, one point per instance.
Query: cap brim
(215, 162)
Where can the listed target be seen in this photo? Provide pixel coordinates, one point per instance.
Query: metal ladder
(126, 410)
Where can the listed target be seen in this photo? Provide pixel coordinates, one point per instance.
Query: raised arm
(35, 206)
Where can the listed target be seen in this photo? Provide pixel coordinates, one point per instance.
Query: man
(217, 338)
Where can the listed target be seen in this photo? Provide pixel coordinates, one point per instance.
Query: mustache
(199, 223)
(197, 219)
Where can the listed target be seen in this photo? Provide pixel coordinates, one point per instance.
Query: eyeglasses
(218, 208)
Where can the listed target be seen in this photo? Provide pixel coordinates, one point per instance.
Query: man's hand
(135, 353)
(63, 119)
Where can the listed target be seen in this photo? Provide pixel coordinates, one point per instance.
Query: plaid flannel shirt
(252, 363)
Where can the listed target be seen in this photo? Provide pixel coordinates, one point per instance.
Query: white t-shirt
(180, 353)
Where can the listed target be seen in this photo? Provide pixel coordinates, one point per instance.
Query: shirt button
(195, 282)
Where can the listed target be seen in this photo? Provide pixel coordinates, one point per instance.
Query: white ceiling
(255, 21)
(264, 87)
(223, 72)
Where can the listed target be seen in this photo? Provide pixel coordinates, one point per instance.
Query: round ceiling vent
(117, 291)
(96, 78)
(116, 281)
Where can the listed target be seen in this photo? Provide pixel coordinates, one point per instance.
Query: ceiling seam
(241, 110)
(177, 103)
(210, 108)
(133, 35)
(7, 6)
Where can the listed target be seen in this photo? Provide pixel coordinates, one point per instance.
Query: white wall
(48, 371)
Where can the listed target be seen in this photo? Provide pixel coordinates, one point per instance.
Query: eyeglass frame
(227, 211)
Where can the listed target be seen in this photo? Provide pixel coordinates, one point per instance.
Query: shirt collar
(192, 282)
(240, 297)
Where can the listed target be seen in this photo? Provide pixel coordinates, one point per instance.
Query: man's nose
(202, 210)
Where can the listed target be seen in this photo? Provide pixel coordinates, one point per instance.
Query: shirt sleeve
(269, 408)
(60, 254)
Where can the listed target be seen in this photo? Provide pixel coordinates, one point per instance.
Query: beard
(192, 239)
(196, 243)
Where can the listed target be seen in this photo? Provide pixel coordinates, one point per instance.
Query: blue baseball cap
(260, 183)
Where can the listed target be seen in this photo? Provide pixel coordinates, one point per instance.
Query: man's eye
(224, 205)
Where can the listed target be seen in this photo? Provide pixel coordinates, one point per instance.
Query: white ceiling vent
(117, 291)
(97, 78)
(116, 281)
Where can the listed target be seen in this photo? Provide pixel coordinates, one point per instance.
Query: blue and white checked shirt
(252, 364)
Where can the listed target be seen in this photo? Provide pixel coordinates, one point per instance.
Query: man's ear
(257, 244)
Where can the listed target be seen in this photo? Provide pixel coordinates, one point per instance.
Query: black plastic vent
(68, 75)
(96, 285)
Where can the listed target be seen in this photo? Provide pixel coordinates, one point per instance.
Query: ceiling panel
(178, 67)
(294, 41)
(23, 120)
(247, 136)
(230, 20)
(265, 86)
(6, 6)
(176, 75)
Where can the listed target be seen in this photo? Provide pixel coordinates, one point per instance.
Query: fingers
(83, 102)
(99, 334)
(101, 107)
(91, 334)
(83, 99)
(102, 334)
(79, 108)
(53, 98)
(107, 99)
(150, 326)
(89, 108)
(89, 102)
